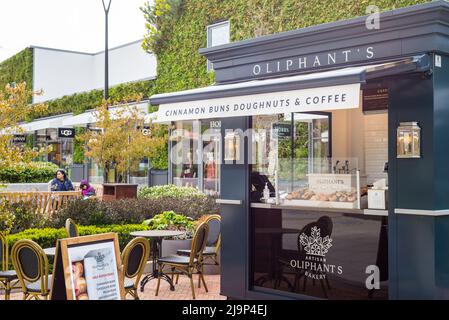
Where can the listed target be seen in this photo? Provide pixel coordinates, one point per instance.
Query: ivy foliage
(180, 66)
(18, 68)
(80, 102)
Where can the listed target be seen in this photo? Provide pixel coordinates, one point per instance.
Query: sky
(67, 24)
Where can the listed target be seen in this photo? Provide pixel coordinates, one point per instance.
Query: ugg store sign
(316, 99)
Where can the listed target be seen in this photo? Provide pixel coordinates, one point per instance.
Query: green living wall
(180, 66)
(18, 68)
(80, 102)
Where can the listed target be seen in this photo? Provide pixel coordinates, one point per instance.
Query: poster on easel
(88, 268)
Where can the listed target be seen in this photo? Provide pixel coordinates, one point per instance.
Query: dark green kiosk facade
(329, 149)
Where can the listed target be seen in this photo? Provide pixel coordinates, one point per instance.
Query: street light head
(106, 8)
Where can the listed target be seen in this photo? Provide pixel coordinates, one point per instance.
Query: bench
(46, 202)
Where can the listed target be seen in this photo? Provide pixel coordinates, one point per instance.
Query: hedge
(47, 237)
(34, 172)
(169, 190)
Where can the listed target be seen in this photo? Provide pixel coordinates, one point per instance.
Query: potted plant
(169, 220)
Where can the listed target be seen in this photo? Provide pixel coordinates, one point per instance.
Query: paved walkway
(182, 290)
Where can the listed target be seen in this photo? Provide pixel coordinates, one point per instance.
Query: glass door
(311, 145)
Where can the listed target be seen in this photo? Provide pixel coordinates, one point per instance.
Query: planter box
(23, 187)
(77, 172)
(157, 177)
(213, 269)
(116, 191)
(170, 247)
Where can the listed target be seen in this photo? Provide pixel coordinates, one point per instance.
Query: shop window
(217, 34)
(211, 154)
(195, 148)
(184, 153)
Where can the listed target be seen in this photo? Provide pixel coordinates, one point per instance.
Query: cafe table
(156, 237)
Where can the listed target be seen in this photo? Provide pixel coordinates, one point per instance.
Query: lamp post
(106, 53)
(106, 70)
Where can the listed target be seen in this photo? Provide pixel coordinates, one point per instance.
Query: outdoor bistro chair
(31, 264)
(210, 253)
(187, 265)
(71, 228)
(134, 258)
(8, 278)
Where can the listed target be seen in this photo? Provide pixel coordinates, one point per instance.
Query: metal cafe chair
(71, 228)
(210, 253)
(134, 258)
(187, 265)
(31, 264)
(8, 278)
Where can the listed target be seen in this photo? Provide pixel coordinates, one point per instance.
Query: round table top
(157, 233)
(50, 251)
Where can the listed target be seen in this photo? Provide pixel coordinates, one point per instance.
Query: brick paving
(182, 290)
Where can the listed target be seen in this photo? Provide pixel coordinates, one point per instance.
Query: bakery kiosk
(331, 151)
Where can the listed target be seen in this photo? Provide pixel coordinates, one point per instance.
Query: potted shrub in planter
(169, 220)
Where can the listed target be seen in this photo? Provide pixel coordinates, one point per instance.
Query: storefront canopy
(329, 90)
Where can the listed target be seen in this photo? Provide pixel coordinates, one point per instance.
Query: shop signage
(88, 268)
(314, 61)
(315, 99)
(215, 124)
(19, 138)
(328, 183)
(146, 131)
(66, 133)
(282, 130)
(375, 99)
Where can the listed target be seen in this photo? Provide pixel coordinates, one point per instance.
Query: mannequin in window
(210, 168)
(188, 170)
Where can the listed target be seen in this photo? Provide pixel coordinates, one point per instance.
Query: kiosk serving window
(288, 148)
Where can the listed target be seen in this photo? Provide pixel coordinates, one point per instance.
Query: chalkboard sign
(88, 268)
(375, 99)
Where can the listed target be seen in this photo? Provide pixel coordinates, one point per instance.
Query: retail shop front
(330, 155)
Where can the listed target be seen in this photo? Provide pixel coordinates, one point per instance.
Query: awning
(90, 117)
(329, 90)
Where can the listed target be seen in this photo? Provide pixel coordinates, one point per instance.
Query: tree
(14, 108)
(119, 144)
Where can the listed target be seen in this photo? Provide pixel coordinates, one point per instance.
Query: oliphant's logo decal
(314, 244)
(314, 263)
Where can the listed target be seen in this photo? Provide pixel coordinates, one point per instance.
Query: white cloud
(67, 24)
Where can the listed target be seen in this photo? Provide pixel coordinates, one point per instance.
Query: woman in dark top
(61, 182)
